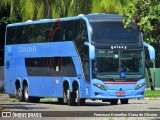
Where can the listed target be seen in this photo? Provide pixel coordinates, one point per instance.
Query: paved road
(143, 105)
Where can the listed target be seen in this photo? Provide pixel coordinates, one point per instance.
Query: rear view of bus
(118, 65)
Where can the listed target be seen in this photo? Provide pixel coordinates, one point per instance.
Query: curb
(156, 98)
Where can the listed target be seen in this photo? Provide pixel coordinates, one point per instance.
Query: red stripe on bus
(120, 82)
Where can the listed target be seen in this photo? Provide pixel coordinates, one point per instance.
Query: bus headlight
(139, 86)
(102, 87)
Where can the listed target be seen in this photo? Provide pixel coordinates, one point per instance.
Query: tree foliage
(146, 13)
(107, 6)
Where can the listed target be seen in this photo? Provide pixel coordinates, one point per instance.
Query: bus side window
(56, 36)
(30, 34)
(67, 30)
(70, 36)
(47, 36)
(10, 35)
(55, 32)
(24, 37)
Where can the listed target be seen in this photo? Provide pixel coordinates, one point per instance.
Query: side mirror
(91, 50)
(151, 51)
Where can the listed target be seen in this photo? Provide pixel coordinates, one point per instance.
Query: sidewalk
(157, 88)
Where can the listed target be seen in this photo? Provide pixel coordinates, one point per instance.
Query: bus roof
(90, 17)
(103, 17)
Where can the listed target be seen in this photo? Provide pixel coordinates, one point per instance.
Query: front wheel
(124, 101)
(114, 101)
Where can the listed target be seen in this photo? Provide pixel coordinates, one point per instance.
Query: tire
(80, 101)
(34, 99)
(26, 96)
(65, 98)
(20, 95)
(60, 100)
(124, 101)
(72, 98)
(114, 101)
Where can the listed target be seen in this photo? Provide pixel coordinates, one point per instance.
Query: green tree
(146, 13)
(80, 7)
(107, 6)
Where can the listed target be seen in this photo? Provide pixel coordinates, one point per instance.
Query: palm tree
(48, 8)
(28, 9)
(38, 9)
(45, 9)
(3, 4)
(107, 6)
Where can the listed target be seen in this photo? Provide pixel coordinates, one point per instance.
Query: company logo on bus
(27, 49)
(9, 49)
(118, 47)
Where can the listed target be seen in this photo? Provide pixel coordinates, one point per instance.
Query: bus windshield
(105, 31)
(111, 63)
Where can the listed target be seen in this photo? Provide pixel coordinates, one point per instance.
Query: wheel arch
(66, 84)
(18, 83)
(75, 85)
(25, 82)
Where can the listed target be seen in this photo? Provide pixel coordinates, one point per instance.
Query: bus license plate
(120, 93)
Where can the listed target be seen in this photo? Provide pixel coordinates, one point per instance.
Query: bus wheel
(34, 99)
(114, 101)
(64, 100)
(20, 95)
(60, 100)
(26, 96)
(80, 101)
(67, 98)
(124, 101)
(72, 98)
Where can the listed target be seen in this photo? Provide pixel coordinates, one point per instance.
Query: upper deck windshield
(113, 32)
(111, 63)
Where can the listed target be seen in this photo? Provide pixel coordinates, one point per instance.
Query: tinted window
(55, 66)
(112, 32)
(37, 33)
(11, 35)
(81, 37)
(70, 29)
(55, 33)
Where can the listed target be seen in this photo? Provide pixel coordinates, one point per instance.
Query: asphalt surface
(150, 109)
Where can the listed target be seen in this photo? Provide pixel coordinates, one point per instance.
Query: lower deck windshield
(118, 64)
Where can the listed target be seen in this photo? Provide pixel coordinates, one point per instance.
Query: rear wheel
(64, 99)
(20, 95)
(60, 100)
(71, 99)
(114, 101)
(124, 101)
(34, 99)
(80, 101)
(65, 96)
(26, 96)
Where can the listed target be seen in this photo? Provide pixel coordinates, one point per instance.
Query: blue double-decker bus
(73, 59)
